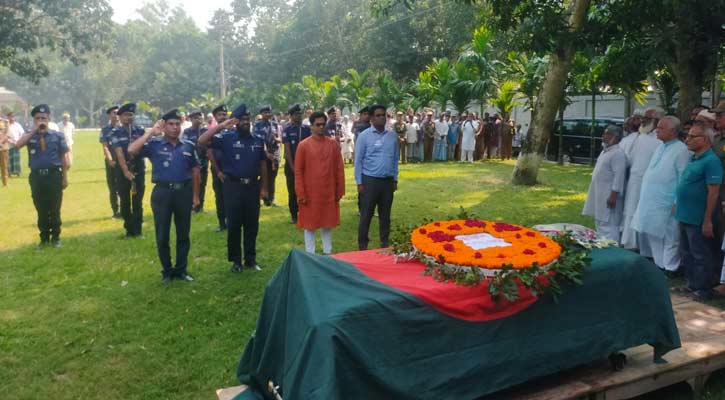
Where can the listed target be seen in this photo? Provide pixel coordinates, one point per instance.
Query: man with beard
(639, 149)
(268, 130)
(292, 135)
(605, 198)
(175, 176)
(192, 134)
(654, 218)
(220, 115)
(243, 169)
(48, 173)
(130, 171)
(110, 159)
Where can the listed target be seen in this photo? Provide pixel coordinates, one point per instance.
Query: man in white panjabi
(68, 130)
(605, 200)
(639, 149)
(654, 218)
(469, 128)
(411, 139)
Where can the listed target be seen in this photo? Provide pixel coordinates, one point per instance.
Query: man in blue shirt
(220, 115)
(192, 134)
(110, 159)
(176, 177)
(697, 194)
(376, 175)
(130, 171)
(292, 135)
(268, 130)
(48, 172)
(243, 167)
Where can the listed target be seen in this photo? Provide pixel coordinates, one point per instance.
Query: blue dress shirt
(171, 163)
(52, 157)
(240, 156)
(376, 154)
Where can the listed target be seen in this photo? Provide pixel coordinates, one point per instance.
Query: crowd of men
(243, 157)
(656, 189)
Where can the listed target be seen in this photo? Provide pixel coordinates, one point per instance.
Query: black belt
(173, 185)
(243, 181)
(380, 178)
(46, 171)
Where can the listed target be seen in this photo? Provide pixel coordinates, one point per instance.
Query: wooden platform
(702, 331)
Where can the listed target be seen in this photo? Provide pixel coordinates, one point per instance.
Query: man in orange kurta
(319, 183)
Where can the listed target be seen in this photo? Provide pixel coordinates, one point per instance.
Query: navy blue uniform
(240, 163)
(292, 135)
(111, 178)
(171, 197)
(45, 155)
(192, 135)
(218, 187)
(130, 192)
(267, 131)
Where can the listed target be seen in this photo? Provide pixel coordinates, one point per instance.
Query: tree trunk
(547, 102)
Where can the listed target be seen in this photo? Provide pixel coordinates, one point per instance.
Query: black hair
(317, 115)
(372, 109)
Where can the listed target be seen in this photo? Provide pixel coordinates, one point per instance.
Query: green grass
(91, 320)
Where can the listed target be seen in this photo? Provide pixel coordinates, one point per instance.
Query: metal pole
(593, 127)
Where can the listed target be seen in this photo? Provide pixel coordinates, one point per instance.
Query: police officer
(175, 174)
(47, 150)
(192, 134)
(244, 171)
(333, 127)
(292, 135)
(110, 158)
(130, 170)
(363, 123)
(214, 156)
(268, 130)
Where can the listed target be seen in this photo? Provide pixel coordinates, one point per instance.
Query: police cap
(195, 113)
(173, 114)
(40, 108)
(240, 111)
(266, 108)
(111, 109)
(294, 109)
(364, 110)
(128, 107)
(220, 108)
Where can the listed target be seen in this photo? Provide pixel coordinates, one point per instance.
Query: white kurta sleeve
(619, 169)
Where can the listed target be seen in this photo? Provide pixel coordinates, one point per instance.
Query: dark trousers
(218, 187)
(165, 204)
(271, 178)
(112, 183)
(428, 148)
(698, 257)
(289, 174)
(131, 196)
(203, 173)
(46, 187)
(242, 201)
(378, 193)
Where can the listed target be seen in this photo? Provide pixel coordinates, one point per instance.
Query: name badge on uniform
(187, 154)
(237, 157)
(237, 144)
(166, 164)
(32, 151)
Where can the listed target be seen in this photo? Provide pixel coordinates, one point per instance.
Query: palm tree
(357, 88)
(505, 101)
(477, 56)
(441, 82)
(389, 92)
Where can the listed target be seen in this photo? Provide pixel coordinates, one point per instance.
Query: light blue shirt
(376, 154)
(659, 185)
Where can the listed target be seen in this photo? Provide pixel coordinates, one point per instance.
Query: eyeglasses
(690, 137)
(379, 115)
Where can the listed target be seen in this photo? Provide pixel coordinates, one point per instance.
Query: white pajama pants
(325, 234)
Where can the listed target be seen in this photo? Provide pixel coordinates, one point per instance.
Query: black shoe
(185, 277)
(56, 243)
(674, 274)
(253, 266)
(236, 268)
(165, 280)
(43, 243)
(116, 216)
(221, 228)
(293, 221)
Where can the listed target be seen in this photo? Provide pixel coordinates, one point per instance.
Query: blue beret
(294, 109)
(128, 107)
(267, 108)
(111, 109)
(240, 111)
(173, 114)
(221, 108)
(40, 108)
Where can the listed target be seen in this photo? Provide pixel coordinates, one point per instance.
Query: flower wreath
(531, 259)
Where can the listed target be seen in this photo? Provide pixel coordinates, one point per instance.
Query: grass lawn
(91, 320)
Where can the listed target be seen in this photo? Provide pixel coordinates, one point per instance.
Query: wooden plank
(230, 392)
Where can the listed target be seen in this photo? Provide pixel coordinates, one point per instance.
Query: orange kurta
(320, 179)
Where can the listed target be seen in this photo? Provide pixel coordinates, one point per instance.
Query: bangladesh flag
(359, 326)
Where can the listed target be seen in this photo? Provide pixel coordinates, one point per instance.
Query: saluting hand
(230, 122)
(158, 128)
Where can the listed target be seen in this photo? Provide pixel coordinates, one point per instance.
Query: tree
(484, 68)
(505, 100)
(31, 28)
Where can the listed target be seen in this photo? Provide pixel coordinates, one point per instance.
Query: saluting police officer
(48, 172)
(244, 171)
(130, 171)
(267, 130)
(192, 134)
(175, 174)
(214, 156)
(110, 158)
(292, 135)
